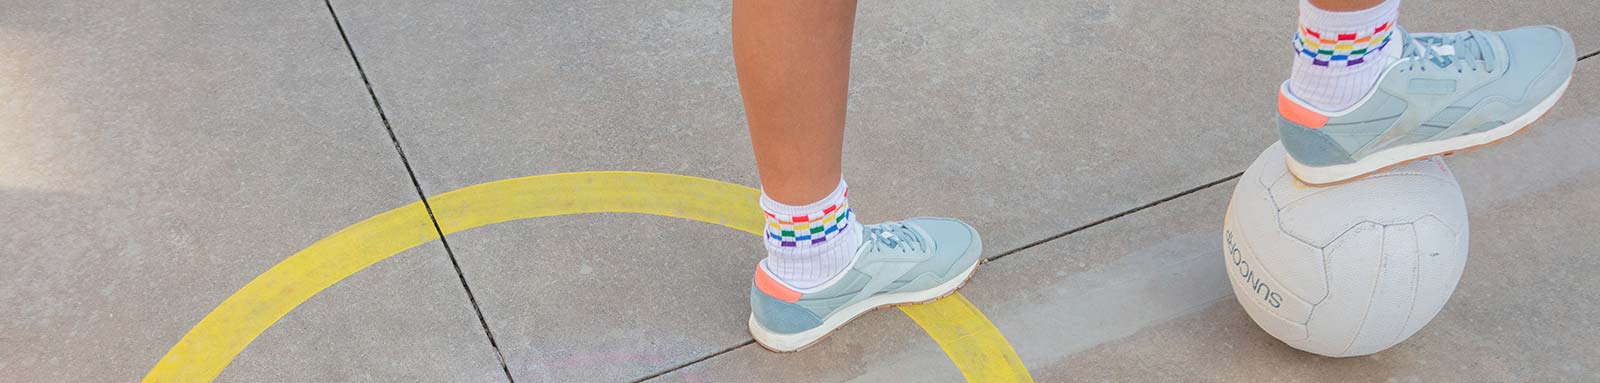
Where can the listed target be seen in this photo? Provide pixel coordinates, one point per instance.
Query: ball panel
(1253, 282)
(1405, 198)
(1442, 255)
(1389, 309)
(1254, 305)
(1284, 330)
(1296, 264)
(1352, 262)
(1293, 265)
(1287, 191)
(1270, 168)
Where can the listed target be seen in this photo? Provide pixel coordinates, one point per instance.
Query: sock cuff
(808, 225)
(1348, 22)
(772, 207)
(1342, 39)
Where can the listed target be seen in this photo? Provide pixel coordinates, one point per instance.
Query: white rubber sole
(795, 342)
(1327, 175)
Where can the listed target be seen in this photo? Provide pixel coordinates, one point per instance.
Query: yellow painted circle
(972, 342)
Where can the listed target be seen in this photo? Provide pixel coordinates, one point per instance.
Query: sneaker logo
(1431, 86)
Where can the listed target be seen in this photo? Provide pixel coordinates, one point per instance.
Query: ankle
(808, 245)
(1339, 56)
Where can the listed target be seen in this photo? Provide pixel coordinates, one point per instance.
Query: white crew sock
(808, 245)
(1339, 55)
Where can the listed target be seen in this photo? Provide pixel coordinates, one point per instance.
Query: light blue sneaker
(913, 261)
(1446, 93)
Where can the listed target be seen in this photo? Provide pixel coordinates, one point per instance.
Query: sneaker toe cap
(953, 240)
(1541, 56)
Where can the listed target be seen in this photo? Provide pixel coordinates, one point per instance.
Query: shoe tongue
(1463, 46)
(897, 236)
(1473, 46)
(889, 239)
(1395, 49)
(1401, 40)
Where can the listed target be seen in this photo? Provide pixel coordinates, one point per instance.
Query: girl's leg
(793, 59)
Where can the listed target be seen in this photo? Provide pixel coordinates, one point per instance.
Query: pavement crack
(471, 298)
(1115, 216)
(696, 361)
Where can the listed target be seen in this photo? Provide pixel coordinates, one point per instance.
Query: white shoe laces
(894, 236)
(1470, 48)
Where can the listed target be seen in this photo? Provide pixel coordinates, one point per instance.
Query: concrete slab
(1049, 115)
(1140, 299)
(608, 297)
(405, 319)
(1052, 301)
(159, 156)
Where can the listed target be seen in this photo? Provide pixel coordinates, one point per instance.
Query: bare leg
(1345, 5)
(793, 59)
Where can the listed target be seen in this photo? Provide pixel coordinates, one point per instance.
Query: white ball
(1349, 269)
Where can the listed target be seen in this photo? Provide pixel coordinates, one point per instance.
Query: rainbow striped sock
(808, 245)
(1340, 55)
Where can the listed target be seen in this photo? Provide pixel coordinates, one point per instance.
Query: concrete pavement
(157, 157)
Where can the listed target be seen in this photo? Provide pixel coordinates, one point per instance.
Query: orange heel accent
(775, 289)
(1299, 114)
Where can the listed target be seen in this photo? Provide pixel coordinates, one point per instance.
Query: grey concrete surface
(405, 319)
(1141, 298)
(484, 92)
(1026, 119)
(154, 157)
(608, 297)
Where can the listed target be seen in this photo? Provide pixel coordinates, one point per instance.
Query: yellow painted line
(971, 341)
(212, 343)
